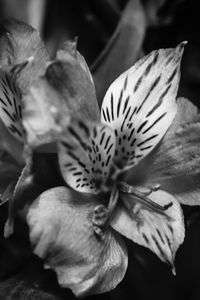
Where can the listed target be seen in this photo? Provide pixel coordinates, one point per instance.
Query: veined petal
(86, 154)
(61, 232)
(141, 104)
(176, 164)
(10, 106)
(161, 233)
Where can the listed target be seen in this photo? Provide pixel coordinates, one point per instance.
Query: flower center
(132, 198)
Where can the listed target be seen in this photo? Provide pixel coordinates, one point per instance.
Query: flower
(115, 183)
(23, 60)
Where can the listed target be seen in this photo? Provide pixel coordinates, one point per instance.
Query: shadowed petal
(85, 155)
(67, 75)
(61, 233)
(71, 47)
(141, 104)
(65, 90)
(161, 233)
(45, 115)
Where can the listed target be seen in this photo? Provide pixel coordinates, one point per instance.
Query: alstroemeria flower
(76, 229)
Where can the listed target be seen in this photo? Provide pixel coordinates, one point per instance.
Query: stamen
(142, 198)
(102, 214)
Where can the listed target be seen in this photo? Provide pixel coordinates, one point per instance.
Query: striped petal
(141, 104)
(161, 233)
(86, 155)
(10, 106)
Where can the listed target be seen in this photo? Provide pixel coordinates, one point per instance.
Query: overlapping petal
(141, 104)
(162, 233)
(61, 232)
(65, 90)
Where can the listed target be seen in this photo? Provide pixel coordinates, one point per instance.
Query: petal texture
(162, 234)
(18, 42)
(141, 104)
(85, 155)
(176, 164)
(10, 106)
(61, 233)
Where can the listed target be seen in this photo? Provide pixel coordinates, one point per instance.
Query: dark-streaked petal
(18, 42)
(142, 173)
(61, 233)
(85, 154)
(12, 145)
(161, 233)
(10, 106)
(141, 104)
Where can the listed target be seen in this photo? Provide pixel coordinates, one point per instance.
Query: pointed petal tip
(180, 47)
(173, 270)
(8, 229)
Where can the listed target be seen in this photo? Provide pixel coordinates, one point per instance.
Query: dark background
(165, 24)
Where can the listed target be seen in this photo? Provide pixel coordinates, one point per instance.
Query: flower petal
(162, 234)
(65, 90)
(61, 233)
(142, 173)
(141, 104)
(11, 145)
(85, 155)
(70, 80)
(44, 115)
(176, 164)
(18, 42)
(71, 47)
(10, 106)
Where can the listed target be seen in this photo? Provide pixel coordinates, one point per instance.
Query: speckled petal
(61, 233)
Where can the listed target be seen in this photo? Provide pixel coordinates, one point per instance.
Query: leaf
(161, 233)
(122, 50)
(61, 233)
(18, 42)
(141, 104)
(85, 155)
